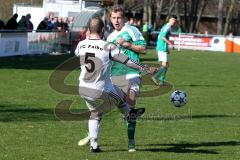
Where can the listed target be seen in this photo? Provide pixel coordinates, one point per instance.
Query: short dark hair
(172, 17)
(96, 25)
(117, 8)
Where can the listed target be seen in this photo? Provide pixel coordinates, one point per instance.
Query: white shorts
(127, 84)
(101, 100)
(162, 56)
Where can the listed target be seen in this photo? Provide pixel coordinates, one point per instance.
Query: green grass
(206, 128)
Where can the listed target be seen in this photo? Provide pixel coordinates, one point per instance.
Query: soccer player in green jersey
(130, 40)
(163, 51)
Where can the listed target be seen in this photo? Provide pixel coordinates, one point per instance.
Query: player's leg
(93, 129)
(133, 92)
(159, 77)
(118, 99)
(164, 69)
(84, 141)
(94, 122)
(112, 98)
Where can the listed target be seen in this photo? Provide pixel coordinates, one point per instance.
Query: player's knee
(97, 115)
(131, 100)
(165, 64)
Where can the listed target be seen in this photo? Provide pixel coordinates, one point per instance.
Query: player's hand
(121, 41)
(171, 46)
(124, 43)
(142, 49)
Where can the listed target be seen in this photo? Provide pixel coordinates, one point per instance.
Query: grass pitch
(206, 128)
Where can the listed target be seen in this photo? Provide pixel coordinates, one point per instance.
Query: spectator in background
(70, 21)
(12, 23)
(145, 31)
(52, 23)
(59, 24)
(22, 23)
(138, 24)
(29, 24)
(2, 25)
(206, 33)
(65, 24)
(131, 21)
(43, 25)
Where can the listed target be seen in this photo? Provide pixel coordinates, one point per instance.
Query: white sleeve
(135, 33)
(77, 50)
(109, 38)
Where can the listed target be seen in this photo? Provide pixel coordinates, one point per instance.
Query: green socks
(131, 129)
(161, 74)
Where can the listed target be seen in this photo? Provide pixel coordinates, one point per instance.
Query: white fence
(22, 43)
(202, 42)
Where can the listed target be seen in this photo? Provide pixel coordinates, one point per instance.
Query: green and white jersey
(130, 34)
(164, 32)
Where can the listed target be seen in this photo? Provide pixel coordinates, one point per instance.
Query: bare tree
(220, 17)
(193, 15)
(178, 13)
(150, 11)
(158, 13)
(186, 14)
(145, 10)
(171, 7)
(229, 16)
(200, 12)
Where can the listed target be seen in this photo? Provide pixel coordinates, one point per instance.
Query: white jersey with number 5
(95, 60)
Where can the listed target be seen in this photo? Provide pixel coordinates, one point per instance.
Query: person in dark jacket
(43, 25)
(2, 24)
(12, 23)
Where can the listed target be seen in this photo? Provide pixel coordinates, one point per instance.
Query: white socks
(93, 127)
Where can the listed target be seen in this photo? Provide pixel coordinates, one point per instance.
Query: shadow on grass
(18, 113)
(183, 147)
(189, 147)
(201, 85)
(47, 62)
(149, 59)
(179, 117)
(21, 113)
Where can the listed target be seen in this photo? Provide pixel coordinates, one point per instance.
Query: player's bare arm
(136, 48)
(122, 58)
(167, 41)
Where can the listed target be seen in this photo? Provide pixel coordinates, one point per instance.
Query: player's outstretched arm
(136, 48)
(124, 59)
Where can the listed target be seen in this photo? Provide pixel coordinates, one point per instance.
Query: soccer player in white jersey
(95, 85)
(163, 51)
(130, 41)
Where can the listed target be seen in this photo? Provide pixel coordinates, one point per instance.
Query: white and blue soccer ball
(178, 98)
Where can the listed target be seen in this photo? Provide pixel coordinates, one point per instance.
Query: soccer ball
(178, 98)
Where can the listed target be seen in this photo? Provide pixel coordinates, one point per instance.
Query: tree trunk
(186, 20)
(193, 15)
(177, 13)
(145, 11)
(201, 10)
(158, 13)
(170, 10)
(229, 17)
(220, 17)
(150, 11)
